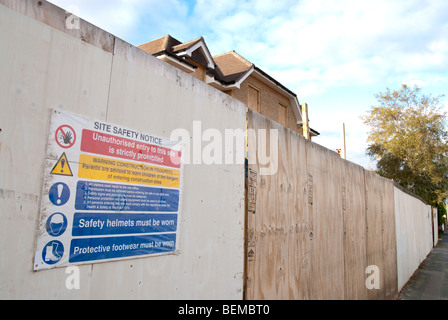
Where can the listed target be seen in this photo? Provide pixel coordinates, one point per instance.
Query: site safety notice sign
(109, 193)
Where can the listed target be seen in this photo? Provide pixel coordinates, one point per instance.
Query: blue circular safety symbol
(52, 252)
(59, 194)
(56, 224)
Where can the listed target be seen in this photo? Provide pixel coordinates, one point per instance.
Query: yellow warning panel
(99, 168)
(62, 167)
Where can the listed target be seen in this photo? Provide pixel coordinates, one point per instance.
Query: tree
(408, 138)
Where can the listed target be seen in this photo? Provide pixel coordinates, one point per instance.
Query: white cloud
(347, 42)
(319, 47)
(344, 41)
(135, 21)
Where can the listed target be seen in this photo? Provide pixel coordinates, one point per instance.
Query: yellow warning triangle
(62, 167)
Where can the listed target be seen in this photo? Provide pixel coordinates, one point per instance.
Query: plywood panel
(389, 242)
(344, 219)
(279, 260)
(353, 205)
(381, 241)
(374, 248)
(341, 219)
(324, 168)
(301, 223)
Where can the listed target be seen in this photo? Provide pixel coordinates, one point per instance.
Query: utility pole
(344, 152)
(305, 121)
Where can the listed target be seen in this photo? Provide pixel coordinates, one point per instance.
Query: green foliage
(442, 212)
(408, 137)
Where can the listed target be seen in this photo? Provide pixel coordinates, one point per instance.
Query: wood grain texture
(319, 221)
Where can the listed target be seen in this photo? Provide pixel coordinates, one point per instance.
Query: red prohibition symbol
(65, 136)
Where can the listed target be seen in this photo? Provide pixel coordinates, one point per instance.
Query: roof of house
(231, 67)
(227, 68)
(159, 45)
(173, 47)
(186, 45)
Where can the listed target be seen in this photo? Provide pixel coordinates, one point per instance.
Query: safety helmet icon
(56, 224)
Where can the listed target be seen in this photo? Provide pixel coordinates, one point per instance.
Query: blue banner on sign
(92, 195)
(90, 249)
(92, 223)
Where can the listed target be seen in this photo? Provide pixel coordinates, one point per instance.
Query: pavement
(430, 281)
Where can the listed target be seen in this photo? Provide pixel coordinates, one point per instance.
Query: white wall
(92, 73)
(413, 221)
(435, 225)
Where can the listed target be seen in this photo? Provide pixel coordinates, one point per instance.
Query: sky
(334, 54)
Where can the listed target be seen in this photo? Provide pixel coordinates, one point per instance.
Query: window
(253, 99)
(283, 114)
